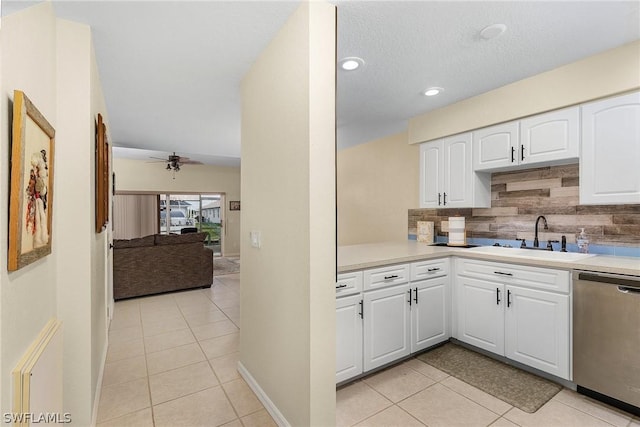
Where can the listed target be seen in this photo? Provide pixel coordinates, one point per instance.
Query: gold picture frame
(31, 197)
(102, 175)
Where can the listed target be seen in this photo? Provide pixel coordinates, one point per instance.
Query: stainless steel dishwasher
(606, 338)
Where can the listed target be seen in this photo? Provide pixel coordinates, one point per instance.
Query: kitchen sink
(531, 254)
(453, 246)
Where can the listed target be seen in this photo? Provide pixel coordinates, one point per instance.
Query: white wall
(28, 296)
(69, 284)
(287, 333)
(101, 295)
(608, 73)
(377, 185)
(140, 176)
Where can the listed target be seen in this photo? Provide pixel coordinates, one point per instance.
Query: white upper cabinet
(431, 176)
(610, 159)
(458, 171)
(447, 179)
(496, 147)
(550, 138)
(545, 139)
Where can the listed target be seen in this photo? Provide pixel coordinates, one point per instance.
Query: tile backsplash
(518, 197)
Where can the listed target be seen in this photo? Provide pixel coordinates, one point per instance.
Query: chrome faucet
(536, 243)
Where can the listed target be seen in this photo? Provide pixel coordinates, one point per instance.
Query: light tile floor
(172, 361)
(414, 393)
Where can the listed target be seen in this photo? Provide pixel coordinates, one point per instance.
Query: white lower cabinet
(516, 311)
(387, 328)
(389, 320)
(528, 325)
(430, 313)
(480, 313)
(537, 330)
(348, 337)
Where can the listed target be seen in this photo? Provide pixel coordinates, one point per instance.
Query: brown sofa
(160, 263)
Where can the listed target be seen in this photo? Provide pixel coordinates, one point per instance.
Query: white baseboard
(268, 404)
(96, 399)
(231, 254)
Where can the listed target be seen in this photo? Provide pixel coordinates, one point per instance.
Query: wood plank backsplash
(518, 197)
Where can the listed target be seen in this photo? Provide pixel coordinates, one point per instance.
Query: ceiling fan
(174, 162)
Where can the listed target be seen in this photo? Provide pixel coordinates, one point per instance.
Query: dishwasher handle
(628, 289)
(630, 283)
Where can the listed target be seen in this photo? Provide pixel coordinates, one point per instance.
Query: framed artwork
(234, 205)
(102, 175)
(31, 197)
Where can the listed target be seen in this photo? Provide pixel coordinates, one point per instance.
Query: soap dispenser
(583, 242)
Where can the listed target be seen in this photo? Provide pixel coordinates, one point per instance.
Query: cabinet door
(348, 337)
(431, 174)
(609, 172)
(495, 147)
(430, 313)
(387, 326)
(458, 172)
(550, 138)
(480, 313)
(537, 330)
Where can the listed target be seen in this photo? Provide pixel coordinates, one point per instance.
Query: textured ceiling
(171, 70)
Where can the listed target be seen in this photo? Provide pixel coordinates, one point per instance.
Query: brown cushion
(173, 239)
(134, 243)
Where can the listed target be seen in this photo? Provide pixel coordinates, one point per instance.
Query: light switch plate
(255, 239)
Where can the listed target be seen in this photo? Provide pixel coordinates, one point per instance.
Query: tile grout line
(590, 415)
(144, 340)
(209, 362)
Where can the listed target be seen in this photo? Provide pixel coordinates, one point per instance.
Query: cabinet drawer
(386, 276)
(349, 283)
(429, 269)
(515, 274)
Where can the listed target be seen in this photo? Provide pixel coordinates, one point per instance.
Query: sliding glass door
(189, 213)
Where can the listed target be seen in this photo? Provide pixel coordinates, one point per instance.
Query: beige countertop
(358, 257)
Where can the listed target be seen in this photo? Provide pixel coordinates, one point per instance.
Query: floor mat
(223, 265)
(521, 389)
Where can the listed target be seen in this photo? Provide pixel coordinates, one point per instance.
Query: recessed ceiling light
(432, 91)
(351, 63)
(493, 31)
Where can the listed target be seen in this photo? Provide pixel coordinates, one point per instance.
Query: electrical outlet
(255, 239)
